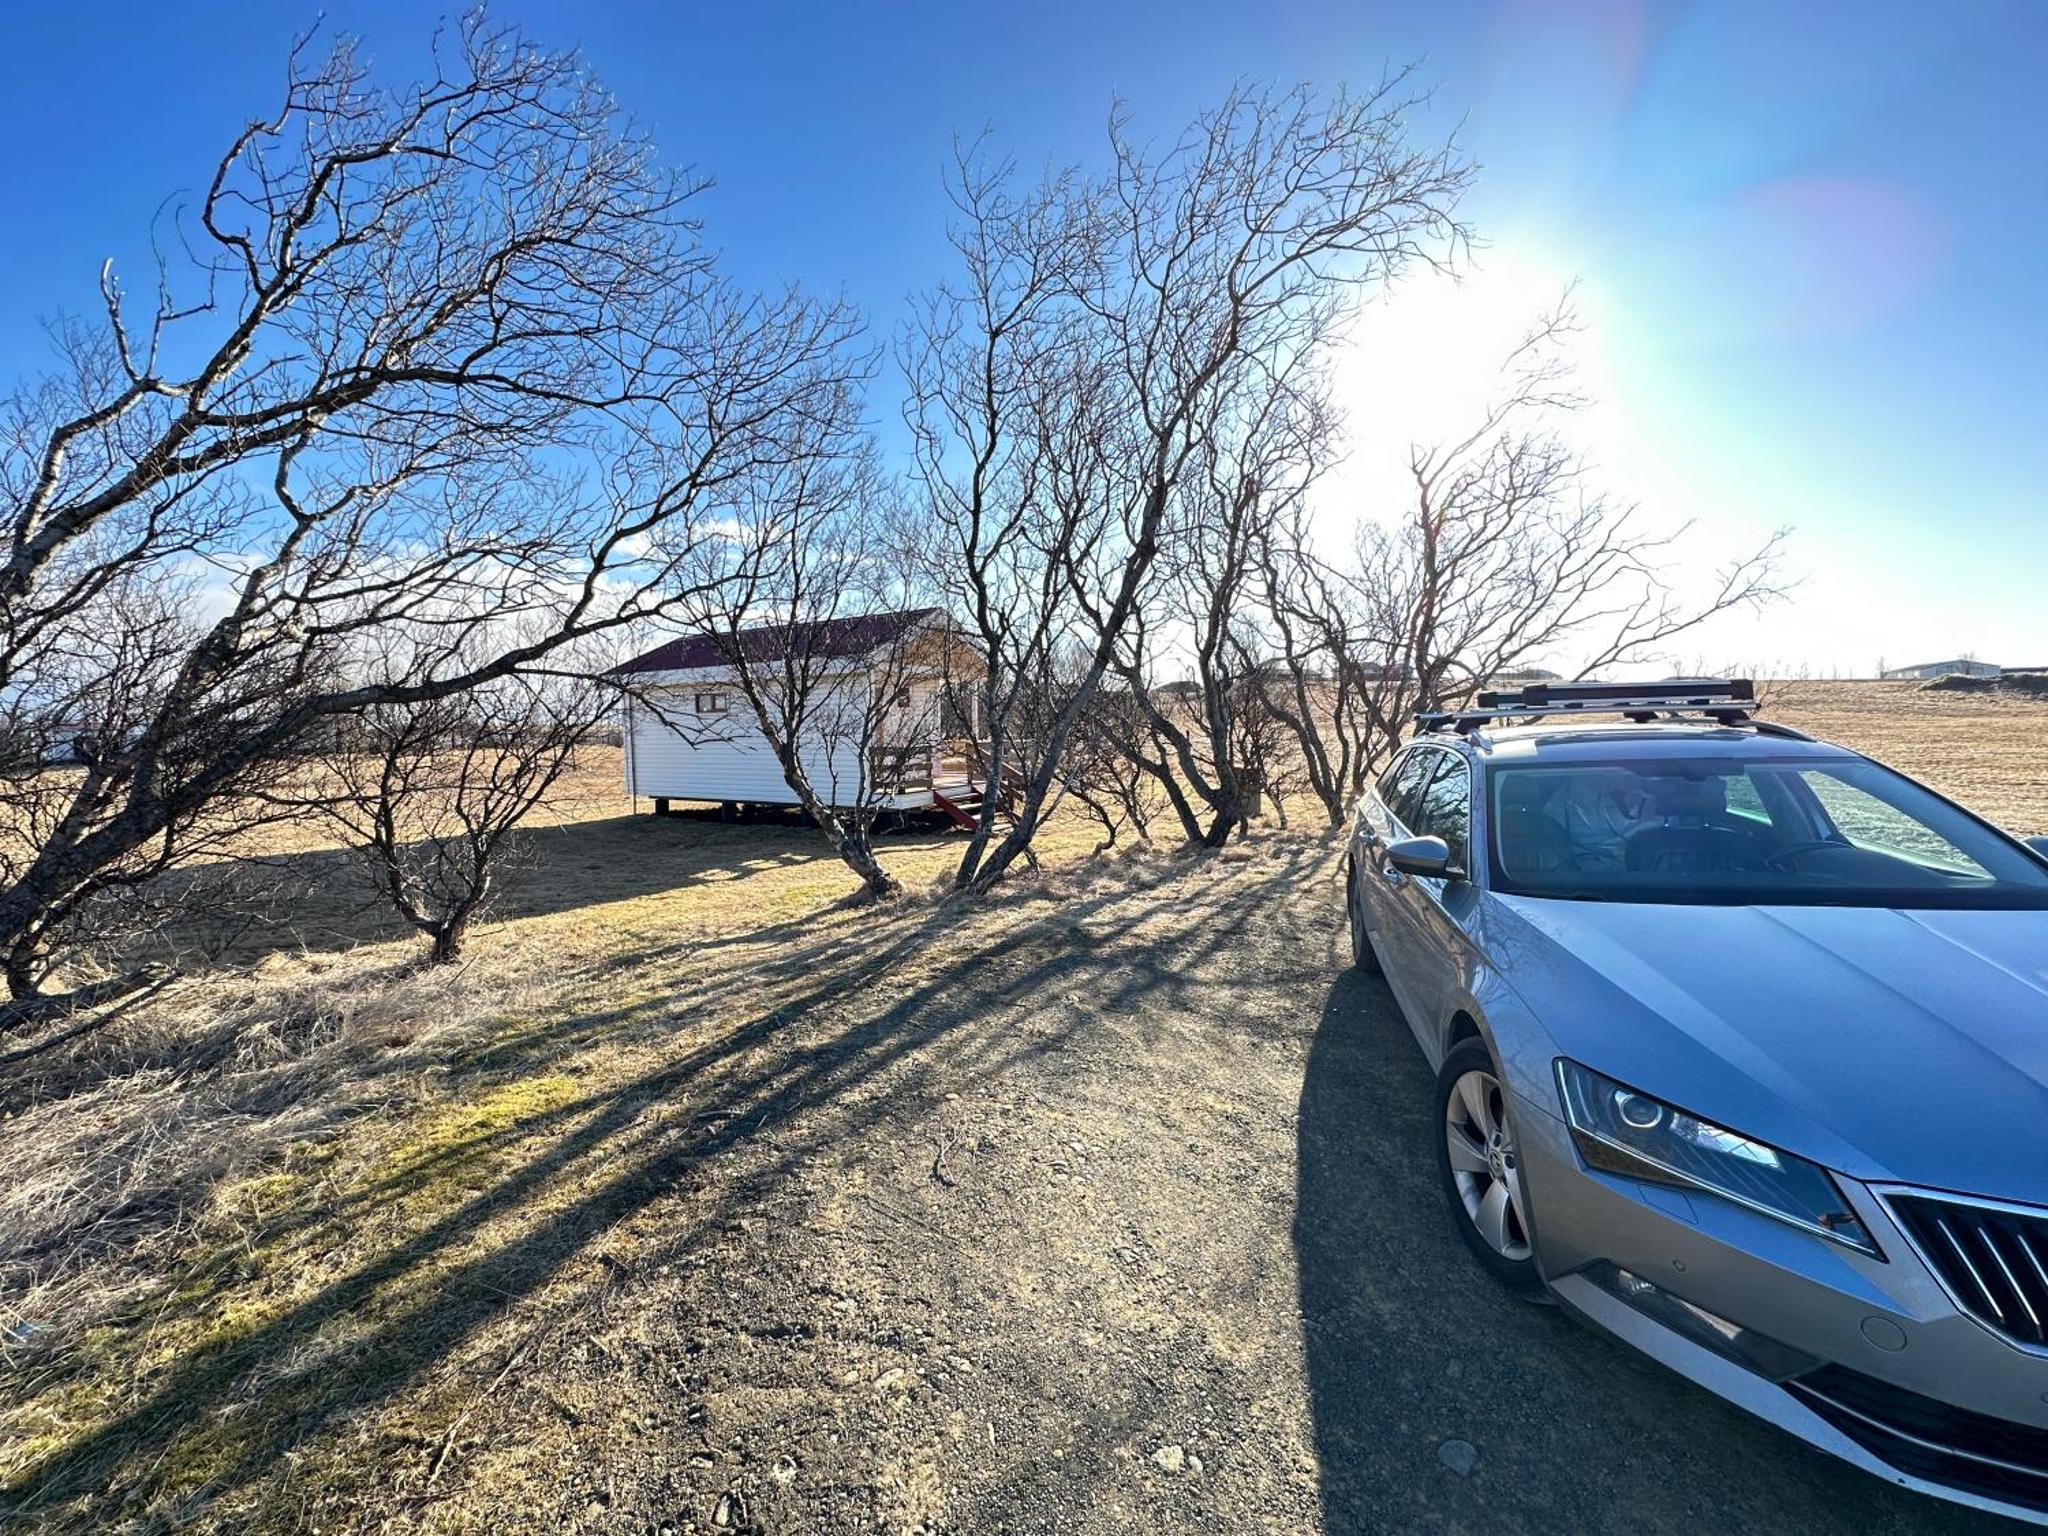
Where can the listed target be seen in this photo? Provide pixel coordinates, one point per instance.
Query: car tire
(1363, 958)
(1477, 1159)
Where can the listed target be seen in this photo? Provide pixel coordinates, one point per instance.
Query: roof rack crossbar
(1725, 701)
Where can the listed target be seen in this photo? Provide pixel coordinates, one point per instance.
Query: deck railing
(903, 767)
(910, 767)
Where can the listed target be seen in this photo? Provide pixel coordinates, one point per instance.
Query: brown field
(697, 1199)
(1983, 749)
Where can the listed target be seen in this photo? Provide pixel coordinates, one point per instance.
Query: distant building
(1959, 668)
(897, 687)
(1280, 670)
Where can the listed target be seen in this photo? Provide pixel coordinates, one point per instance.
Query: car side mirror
(2038, 844)
(1429, 857)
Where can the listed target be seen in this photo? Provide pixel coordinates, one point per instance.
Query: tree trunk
(860, 858)
(448, 939)
(1228, 817)
(24, 969)
(1161, 772)
(967, 876)
(25, 937)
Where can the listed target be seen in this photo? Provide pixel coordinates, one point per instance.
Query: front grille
(1974, 1452)
(1992, 1259)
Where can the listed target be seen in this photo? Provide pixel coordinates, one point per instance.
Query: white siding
(725, 757)
(917, 717)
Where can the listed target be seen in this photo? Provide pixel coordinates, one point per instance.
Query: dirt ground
(699, 1203)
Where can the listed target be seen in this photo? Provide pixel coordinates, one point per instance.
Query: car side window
(1385, 788)
(1744, 800)
(1446, 807)
(1401, 789)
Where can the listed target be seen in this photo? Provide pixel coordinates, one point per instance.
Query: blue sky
(1808, 237)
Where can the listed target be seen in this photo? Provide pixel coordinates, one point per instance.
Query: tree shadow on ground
(831, 1044)
(331, 903)
(1409, 1346)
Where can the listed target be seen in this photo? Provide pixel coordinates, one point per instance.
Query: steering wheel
(1778, 860)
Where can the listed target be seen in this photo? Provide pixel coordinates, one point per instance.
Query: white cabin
(691, 734)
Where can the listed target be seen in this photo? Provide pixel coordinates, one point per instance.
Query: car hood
(1888, 1044)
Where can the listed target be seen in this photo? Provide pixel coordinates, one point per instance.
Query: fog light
(1745, 1346)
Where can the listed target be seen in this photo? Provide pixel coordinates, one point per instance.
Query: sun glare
(1426, 356)
(1425, 359)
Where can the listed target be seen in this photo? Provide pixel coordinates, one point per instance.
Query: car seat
(1532, 841)
(1691, 836)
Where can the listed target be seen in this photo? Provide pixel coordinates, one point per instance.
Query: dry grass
(268, 1237)
(139, 1153)
(1987, 750)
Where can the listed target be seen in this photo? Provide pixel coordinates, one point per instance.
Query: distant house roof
(1964, 666)
(826, 639)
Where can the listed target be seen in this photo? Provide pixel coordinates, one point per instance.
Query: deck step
(963, 804)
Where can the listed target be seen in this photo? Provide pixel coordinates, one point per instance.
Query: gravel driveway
(1139, 1232)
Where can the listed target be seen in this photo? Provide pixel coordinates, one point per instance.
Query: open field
(1988, 750)
(696, 1200)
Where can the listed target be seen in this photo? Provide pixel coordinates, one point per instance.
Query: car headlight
(1619, 1130)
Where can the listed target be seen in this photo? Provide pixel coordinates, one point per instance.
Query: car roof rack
(1725, 701)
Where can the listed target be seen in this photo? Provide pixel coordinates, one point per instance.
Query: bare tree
(1061, 390)
(1114, 766)
(1329, 670)
(1506, 553)
(1250, 469)
(76, 721)
(395, 393)
(428, 793)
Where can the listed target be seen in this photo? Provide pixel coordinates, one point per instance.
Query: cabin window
(710, 703)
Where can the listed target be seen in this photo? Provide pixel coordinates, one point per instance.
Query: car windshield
(1729, 831)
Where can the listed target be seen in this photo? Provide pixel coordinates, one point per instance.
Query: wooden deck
(950, 774)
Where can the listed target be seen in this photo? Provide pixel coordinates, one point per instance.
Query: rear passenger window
(1446, 809)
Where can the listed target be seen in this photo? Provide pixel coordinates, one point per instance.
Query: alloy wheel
(1485, 1163)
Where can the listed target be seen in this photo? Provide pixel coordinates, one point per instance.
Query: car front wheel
(1481, 1166)
(1362, 956)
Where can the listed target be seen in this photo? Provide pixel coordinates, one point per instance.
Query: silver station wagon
(1741, 1044)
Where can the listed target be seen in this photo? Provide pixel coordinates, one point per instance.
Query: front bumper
(1865, 1359)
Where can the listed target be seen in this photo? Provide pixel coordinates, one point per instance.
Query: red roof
(827, 638)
